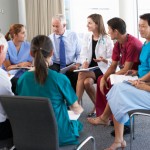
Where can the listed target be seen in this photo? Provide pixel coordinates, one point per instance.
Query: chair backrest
(33, 122)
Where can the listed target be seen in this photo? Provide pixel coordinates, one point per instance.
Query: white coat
(103, 48)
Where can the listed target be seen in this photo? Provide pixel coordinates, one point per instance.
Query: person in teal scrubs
(44, 82)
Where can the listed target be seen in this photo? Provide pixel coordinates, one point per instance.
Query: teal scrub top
(60, 93)
(144, 67)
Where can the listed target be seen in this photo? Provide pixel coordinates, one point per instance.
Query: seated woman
(18, 54)
(96, 51)
(127, 97)
(144, 66)
(44, 82)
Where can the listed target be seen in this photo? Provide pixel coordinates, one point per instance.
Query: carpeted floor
(102, 134)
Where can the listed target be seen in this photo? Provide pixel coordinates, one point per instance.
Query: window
(77, 12)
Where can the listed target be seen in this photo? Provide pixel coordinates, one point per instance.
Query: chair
(33, 123)
(4, 144)
(131, 114)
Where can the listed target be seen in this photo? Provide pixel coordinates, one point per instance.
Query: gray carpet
(102, 134)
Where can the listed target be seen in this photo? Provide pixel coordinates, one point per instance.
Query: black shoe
(92, 115)
(126, 131)
(111, 123)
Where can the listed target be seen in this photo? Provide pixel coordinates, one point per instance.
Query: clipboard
(65, 69)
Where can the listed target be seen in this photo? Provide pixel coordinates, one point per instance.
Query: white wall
(79, 10)
(22, 12)
(128, 12)
(8, 14)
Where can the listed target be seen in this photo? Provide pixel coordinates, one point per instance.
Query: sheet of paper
(114, 78)
(72, 115)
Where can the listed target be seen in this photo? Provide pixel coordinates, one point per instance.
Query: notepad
(114, 78)
(19, 67)
(87, 69)
(72, 115)
(65, 69)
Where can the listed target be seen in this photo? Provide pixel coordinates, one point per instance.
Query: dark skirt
(97, 73)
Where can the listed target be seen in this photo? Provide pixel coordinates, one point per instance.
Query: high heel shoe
(117, 145)
(98, 121)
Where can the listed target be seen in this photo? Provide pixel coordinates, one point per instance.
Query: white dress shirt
(72, 47)
(5, 89)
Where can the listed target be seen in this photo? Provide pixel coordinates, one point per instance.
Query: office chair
(33, 123)
(131, 114)
(4, 144)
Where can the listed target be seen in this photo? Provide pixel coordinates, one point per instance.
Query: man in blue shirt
(72, 48)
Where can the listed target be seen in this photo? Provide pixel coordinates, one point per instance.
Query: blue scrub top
(23, 55)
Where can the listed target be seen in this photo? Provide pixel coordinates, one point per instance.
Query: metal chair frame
(132, 121)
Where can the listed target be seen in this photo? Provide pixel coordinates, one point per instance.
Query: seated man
(66, 48)
(126, 53)
(5, 89)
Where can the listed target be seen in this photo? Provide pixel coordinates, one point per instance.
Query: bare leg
(80, 86)
(119, 141)
(80, 83)
(118, 131)
(88, 84)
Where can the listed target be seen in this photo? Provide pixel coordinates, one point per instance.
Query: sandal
(98, 121)
(117, 145)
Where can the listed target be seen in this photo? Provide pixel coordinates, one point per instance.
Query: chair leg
(85, 141)
(133, 126)
(131, 132)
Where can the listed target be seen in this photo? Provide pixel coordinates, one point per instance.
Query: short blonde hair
(3, 41)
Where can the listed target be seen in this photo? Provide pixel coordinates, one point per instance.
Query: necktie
(62, 53)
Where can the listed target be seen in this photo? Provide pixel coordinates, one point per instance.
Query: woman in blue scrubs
(18, 54)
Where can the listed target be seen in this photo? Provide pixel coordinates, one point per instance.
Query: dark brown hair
(146, 17)
(98, 19)
(117, 24)
(41, 48)
(14, 29)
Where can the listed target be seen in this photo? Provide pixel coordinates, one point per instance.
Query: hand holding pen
(85, 64)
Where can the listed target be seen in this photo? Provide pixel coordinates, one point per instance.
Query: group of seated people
(50, 54)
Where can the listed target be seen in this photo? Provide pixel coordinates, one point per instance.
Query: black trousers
(5, 130)
(72, 76)
(15, 79)
(14, 84)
